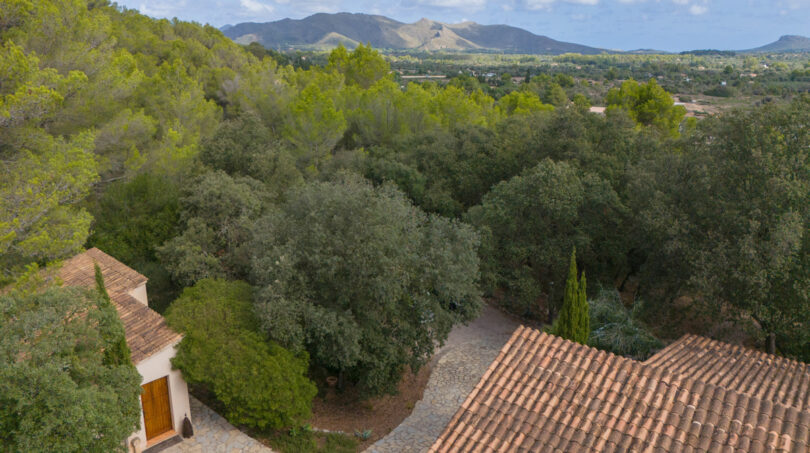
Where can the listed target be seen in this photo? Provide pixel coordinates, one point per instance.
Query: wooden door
(157, 413)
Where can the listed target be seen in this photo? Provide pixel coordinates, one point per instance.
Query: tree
(555, 95)
(573, 322)
(117, 352)
(533, 220)
(648, 104)
(244, 146)
(259, 383)
(59, 390)
(522, 103)
(725, 222)
(132, 219)
(362, 279)
(45, 176)
(314, 125)
(364, 66)
(754, 250)
(217, 212)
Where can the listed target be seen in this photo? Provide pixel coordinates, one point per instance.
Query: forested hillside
(366, 216)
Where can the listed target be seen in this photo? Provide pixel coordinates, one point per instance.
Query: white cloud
(698, 10)
(453, 3)
(162, 9)
(545, 4)
(538, 4)
(255, 6)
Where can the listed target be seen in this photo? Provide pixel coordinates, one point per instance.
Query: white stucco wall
(156, 367)
(139, 294)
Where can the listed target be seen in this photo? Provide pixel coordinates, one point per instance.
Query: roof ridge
(146, 330)
(543, 390)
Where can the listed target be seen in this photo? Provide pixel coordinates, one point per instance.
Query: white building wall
(156, 367)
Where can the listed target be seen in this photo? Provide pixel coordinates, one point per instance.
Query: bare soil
(343, 411)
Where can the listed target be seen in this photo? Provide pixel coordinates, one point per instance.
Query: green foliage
(521, 103)
(555, 95)
(39, 220)
(132, 219)
(117, 352)
(218, 212)
(58, 390)
(245, 146)
(307, 441)
(534, 219)
(364, 66)
(573, 322)
(363, 280)
(259, 383)
(754, 251)
(615, 329)
(648, 104)
(315, 125)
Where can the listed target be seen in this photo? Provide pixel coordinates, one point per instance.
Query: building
(164, 401)
(544, 393)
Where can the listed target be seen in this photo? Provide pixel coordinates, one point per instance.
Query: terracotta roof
(753, 373)
(146, 331)
(543, 393)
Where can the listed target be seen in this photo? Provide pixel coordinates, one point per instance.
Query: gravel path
(213, 434)
(460, 363)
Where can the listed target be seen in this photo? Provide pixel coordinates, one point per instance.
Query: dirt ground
(342, 412)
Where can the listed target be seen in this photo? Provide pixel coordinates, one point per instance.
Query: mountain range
(325, 31)
(328, 30)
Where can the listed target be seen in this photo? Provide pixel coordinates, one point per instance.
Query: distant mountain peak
(785, 43)
(325, 30)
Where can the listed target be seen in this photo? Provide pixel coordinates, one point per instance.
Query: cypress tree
(583, 324)
(100, 287)
(574, 321)
(117, 352)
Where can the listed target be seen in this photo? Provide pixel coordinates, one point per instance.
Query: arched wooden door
(157, 412)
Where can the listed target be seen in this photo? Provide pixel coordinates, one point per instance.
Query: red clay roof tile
(146, 331)
(543, 393)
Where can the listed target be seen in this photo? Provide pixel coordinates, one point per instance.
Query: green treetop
(648, 104)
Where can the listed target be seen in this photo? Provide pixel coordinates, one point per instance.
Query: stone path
(213, 434)
(458, 366)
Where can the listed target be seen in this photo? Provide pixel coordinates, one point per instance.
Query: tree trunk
(341, 383)
(771, 343)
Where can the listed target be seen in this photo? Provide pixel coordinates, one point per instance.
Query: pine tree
(574, 321)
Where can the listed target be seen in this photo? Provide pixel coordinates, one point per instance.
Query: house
(164, 400)
(544, 393)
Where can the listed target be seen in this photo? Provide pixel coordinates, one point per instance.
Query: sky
(670, 25)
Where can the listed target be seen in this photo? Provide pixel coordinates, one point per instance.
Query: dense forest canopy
(373, 214)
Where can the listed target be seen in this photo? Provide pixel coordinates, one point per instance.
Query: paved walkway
(213, 434)
(459, 365)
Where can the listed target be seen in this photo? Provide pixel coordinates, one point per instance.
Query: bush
(259, 383)
(614, 329)
(721, 91)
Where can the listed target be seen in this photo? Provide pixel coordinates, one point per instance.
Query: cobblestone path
(213, 434)
(460, 363)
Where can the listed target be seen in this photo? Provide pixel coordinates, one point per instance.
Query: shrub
(259, 383)
(614, 329)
